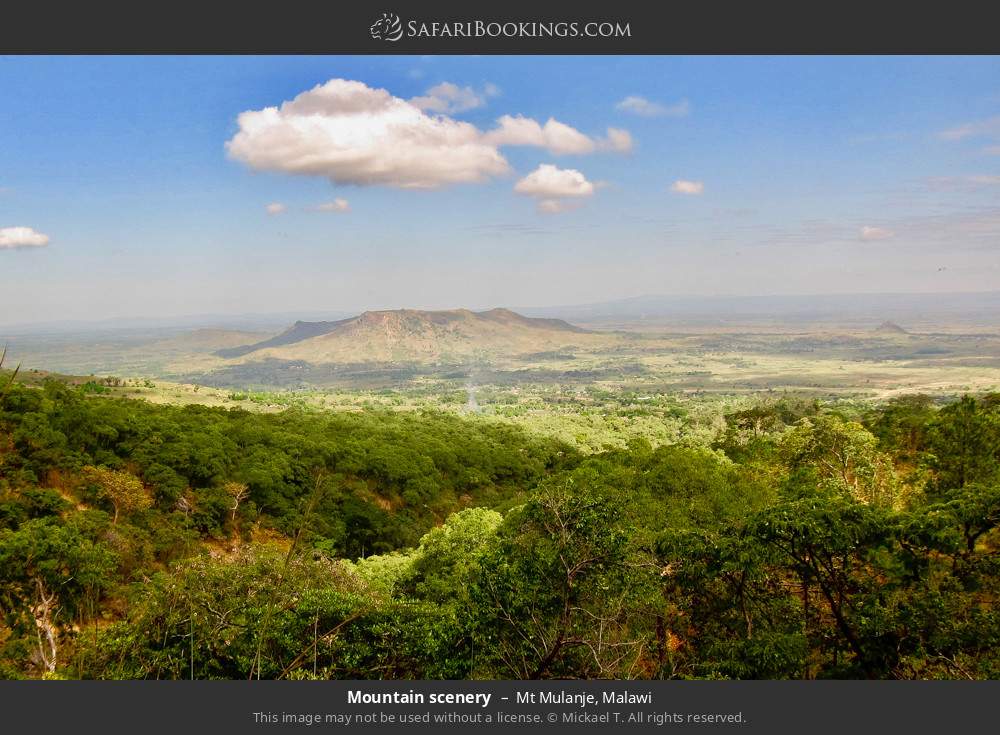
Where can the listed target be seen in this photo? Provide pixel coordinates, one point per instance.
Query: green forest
(796, 540)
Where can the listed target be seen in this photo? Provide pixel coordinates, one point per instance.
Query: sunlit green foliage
(782, 539)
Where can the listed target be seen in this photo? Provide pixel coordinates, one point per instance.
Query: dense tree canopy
(144, 541)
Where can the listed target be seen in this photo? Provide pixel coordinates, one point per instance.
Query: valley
(393, 367)
(406, 349)
(588, 385)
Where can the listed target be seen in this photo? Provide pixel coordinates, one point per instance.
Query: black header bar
(511, 27)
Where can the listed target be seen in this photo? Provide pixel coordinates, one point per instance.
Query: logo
(387, 28)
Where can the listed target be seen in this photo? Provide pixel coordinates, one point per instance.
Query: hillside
(298, 332)
(143, 541)
(890, 328)
(408, 335)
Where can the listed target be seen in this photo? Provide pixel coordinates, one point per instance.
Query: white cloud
(618, 140)
(876, 233)
(354, 134)
(551, 186)
(645, 108)
(12, 238)
(450, 98)
(556, 137)
(992, 150)
(337, 205)
(275, 208)
(550, 181)
(988, 127)
(682, 186)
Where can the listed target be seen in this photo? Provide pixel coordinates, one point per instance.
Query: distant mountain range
(872, 308)
(407, 335)
(867, 310)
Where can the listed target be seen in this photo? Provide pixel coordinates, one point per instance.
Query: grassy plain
(661, 385)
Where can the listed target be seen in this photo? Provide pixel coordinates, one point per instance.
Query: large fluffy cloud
(21, 237)
(556, 137)
(353, 134)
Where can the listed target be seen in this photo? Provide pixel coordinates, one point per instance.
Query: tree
(748, 432)
(845, 458)
(964, 444)
(447, 559)
(563, 591)
(49, 570)
(239, 492)
(125, 491)
(5, 387)
(203, 619)
(832, 546)
(901, 425)
(729, 610)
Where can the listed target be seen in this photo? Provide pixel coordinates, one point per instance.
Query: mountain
(409, 335)
(298, 332)
(890, 328)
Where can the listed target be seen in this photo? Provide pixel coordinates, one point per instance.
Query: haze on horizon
(137, 187)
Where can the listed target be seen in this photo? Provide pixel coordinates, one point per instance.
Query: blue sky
(119, 197)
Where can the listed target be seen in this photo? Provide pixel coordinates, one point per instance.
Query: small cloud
(992, 150)
(682, 186)
(645, 108)
(975, 129)
(13, 238)
(876, 233)
(551, 186)
(337, 205)
(275, 208)
(449, 98)
(618, 140)
(550, 181)
(556, 137)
